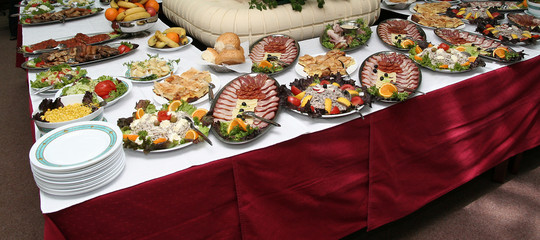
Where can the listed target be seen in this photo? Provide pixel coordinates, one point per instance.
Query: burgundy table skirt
(328, 184)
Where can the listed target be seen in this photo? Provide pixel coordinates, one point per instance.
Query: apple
(151, 10)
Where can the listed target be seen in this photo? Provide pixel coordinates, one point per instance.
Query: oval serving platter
(404, 56)
(360, 24)
(95, 11)
(114, 45)
(112, 37)
(230, 86)
(262, 42)
(407, 28)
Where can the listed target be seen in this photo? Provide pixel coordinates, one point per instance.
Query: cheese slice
(391, 78)
(250, 105)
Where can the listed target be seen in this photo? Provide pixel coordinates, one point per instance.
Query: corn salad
(66, 113)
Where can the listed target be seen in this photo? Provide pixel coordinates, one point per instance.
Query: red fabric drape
(197, 203)
(311, 187)
(425, 147)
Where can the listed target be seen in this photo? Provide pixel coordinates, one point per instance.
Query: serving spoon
(252, 114)
(198, 131)
(60, 46)
(211, 86)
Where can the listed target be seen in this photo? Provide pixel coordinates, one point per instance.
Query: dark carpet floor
(480, 209)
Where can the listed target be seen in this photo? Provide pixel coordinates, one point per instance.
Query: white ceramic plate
(75, 146)
(128, 84)
(168, 49)
(350, 70)
(174, 68)
(459, 27)
(215, 80)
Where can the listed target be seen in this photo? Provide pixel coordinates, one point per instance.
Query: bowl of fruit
(132, 16)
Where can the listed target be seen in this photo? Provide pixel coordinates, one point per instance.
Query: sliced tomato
(295, 90)
(495, 14)
(325, 82)
(163, 115)
(335, 110)
(103, 88)
(444, 46)
(28, 20)
(28, 49)
(123, 49)
(294, 101)
(346, 87)
(356, 100)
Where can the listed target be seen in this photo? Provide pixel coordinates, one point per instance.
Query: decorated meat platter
(257, 93)
(78, 39)
(330, 96)
(110, 51)
(390, 76)
(472, 15)
(486, 47)
(446, 59)
(395, 33)
(273, 54)
(345, 35)
(526, 21)
(60, 17)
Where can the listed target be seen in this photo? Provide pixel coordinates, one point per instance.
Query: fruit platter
(525, 21)
(487, 48)
(345, 35)
(400, 34)
(445, 58)
(108, 88)
(472, 15)
(245, 108)
(273, 54)
(171, 39)
(168, 128)
(80, 39)
(331, 96)
(58, 76)
(390, 76)
(507, 33)
(150, 70)
(59, 17)
(80, 55)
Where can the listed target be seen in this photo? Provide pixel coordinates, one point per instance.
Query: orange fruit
(131, 137)
(140, 5)
(461, 48)
(160, 140)
(199, 113)
(406, 43)
(110, 14)
(387, 89)
(120, 10)
(471, 59)
(173, 36)
(265, 63)
(466, 64)
(237, 122)
(174, 105)
(191, 135)
(153, 4)
(444, 66)
(417, 58)
(139, 114)
(417, 49)
(500, 52)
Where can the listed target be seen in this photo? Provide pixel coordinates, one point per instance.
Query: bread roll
(210, 55)
(231, 56)
(226, 41)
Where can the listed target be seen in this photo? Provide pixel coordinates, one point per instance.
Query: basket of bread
(227, 55)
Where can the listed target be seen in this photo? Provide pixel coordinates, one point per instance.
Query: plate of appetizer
(150, 70)
(108, 88)
(332, 62)
(345, 35)
(245, 108)
(486, 47)
(398, 4)
(445, 58)
(80, 39)
(153, 130)
(192, 86)
(273, 54)
(76, 3)
(507, 33)
(453, 2)
(525, 21)
(171, 39)
(430, 8)
(400, 34)
(390, 76)
(472, 15)
(330, 96)
(57, 76)
(37, 8)
(434, 21)
(501, 6)
(59, 17)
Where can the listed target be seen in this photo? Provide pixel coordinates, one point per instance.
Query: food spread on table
(257, 93)
(273, 54)
(345, 36)
(152, 129)
(445, 58)
(399, 33)
(390, 76)
(333, 62)
(190, 86)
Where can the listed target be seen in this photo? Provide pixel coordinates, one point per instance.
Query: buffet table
(310, 178)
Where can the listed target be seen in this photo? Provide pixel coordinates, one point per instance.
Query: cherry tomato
(335, 110)
(123, 49)
(356, 100)
(103, 88)
(39, 64)
(163, 115)
(325, 82)
(28, 49)
(28, 20)
(295, 90)
(346, 87)
(444, 46)
(294, 101)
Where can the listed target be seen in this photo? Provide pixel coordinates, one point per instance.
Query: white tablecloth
(140, 167)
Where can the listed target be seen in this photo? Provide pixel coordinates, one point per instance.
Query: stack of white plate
(77, 158)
